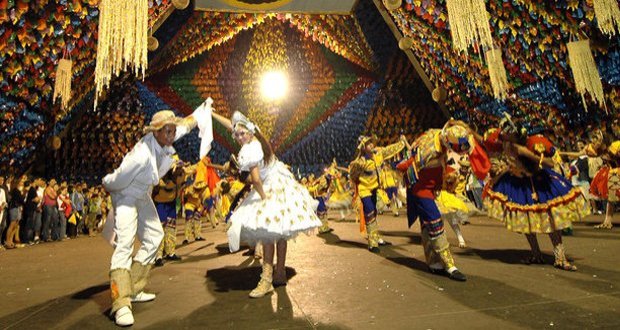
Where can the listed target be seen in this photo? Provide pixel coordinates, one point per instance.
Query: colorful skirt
(287, 211)
(606, 184)
(543, 203)
(454, 208)
(339, 200)
(383, 201)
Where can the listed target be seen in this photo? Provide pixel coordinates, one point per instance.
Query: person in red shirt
(425, 169)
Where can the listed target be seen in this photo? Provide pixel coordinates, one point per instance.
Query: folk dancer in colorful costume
(134, 213)
(425, 170)
(365, 173)
(527, 195)
(339, 198)
(165, 196)
(194, 198)
(319, 189)
(606, 183)
(276, 209)
(206, 171)
(389, 180)
(453, 205)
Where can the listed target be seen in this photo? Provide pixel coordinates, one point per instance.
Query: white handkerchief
(202, 115)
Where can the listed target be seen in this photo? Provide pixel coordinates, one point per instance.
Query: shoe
(143, 297)
(567, 231)
(20, 245)
(374, 249)
(159, 262)
(383, 243)
(329, 230)
(264, 287)
(534, 260)
(199, 239)
(173, 257)
(185, 241)
(396, 214)
(604, 225)
(458, 276)
(124, 317)
(565, 265)
(438, 271)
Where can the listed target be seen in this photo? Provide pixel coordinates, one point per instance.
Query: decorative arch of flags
(335, 62)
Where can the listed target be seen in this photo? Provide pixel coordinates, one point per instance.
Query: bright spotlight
(274, 85)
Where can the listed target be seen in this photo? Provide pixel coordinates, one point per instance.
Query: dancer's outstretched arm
(222, 120)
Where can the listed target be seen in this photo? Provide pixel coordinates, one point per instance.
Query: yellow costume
(318, 189)
(164, 197)
(365, 172)
(193, 200)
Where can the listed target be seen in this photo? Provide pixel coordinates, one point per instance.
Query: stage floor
(334, 283)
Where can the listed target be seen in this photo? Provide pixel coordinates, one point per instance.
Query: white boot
(265, 285)
(124, 317)
(143, 297)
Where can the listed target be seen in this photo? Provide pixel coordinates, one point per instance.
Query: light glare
(274, 85)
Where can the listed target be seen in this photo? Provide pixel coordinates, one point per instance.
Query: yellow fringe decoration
(62, 85)
(122, 40)
(497, 72)
(587, 78)
(469, 24)
(607, 15)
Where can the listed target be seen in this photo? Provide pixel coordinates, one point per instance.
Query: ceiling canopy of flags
(344, 70)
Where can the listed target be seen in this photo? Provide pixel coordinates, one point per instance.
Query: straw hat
(458, 139)
(364, 139)
(161, 119)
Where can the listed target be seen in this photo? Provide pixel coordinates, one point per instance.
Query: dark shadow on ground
(238, 278)
(333, 239)
(54, 311)
(231, 286)
(413, 237)
(507, 256)
(509, 302)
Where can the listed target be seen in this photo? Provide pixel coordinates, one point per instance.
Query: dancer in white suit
(130, 186)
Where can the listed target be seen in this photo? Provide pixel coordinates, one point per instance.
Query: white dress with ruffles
(287, 211)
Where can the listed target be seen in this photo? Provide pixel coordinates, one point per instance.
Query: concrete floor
(334, 283)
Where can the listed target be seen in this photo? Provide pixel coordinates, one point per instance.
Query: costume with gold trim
(365, 171)
(606, 183)
(194, 198)
(530, 199)
(165, 197)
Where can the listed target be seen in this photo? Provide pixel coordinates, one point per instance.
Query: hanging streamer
(497, 73)
(469, 24)
(607, 15)
(62, 85)
(587, 78)
(122, 40)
